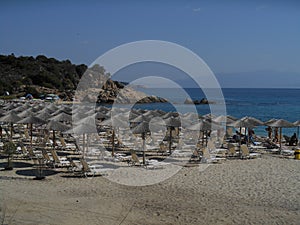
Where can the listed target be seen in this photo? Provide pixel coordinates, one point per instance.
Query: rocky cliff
(42, 75)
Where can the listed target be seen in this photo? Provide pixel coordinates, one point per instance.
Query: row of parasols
(85, 119)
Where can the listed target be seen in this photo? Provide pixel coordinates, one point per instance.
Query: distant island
(39, 76)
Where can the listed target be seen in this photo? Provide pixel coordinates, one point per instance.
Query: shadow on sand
(17, 164)
(34, 172)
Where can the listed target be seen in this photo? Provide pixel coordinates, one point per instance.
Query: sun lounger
(245, 153)
(93, 170)
(231, 150)
(98, 170)
(135, 160)
(59, 162)
(155, 164)
(75, 166)
(208, 158)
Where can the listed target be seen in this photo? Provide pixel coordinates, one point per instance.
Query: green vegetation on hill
(41, 76)
(22, 74)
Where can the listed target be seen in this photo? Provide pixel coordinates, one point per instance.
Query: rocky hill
(25, 74)
(42, 75)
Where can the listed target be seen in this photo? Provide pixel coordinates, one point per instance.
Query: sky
(234, 38)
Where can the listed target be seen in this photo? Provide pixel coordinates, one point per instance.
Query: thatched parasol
(11, 117)
(31, 120)
(143, 129)
(56, 126)
(280, 123)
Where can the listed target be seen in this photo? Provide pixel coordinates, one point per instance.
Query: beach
(257, 191)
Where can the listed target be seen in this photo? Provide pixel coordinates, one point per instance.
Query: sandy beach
(256, 191)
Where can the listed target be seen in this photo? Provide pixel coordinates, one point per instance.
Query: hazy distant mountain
(260, 79)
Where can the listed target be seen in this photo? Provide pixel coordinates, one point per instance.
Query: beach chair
(93, 170)
(59, 162)
(245, 153)
(24, 150)
(229, 132)
(195, 155)
(155, 164)
(47, 158)
(231, 150)
(134, 160)
(46, 139)
(26, 133)
(75, 167)
(85, 167)
(30, 152)
(163, 149)
(208, 158)
(63, 142)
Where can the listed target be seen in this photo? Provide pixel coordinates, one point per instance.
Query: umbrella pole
(240, 141)
(87, 142)
(280, 140)
(297, 134)
(247, 139)
(53, 139)
(144, 145)
(83, 147)
(11, 130)
(31, 135)
(170, 141)
(113, 143)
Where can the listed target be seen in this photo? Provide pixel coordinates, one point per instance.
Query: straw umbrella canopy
(10, 106)
(170, 114)
(140, 119)
(62, 117)
(26, 113)
(280, 123)
(204, 125)
(52, 107)
(222, 119)
(47, 110)
(32, 120)
(86, 120)
(59, 111)
(143, 129)
(152, 113)
(56, 126)
(100, 116)
(11, 117)
(247, 122)
(297, 123)
(2, 112)
(209, 116)
(44, 115)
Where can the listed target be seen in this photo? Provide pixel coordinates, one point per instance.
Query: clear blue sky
(231, 36)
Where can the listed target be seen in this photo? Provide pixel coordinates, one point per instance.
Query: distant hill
(20, 73)
(42, 75)
(259, 79)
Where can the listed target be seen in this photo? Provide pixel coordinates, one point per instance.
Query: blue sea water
(263, 104)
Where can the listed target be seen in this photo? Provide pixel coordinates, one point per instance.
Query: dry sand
(257, 191)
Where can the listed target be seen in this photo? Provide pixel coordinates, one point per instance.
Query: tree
(9, 149)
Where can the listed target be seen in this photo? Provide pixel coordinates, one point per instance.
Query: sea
(263, 104)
